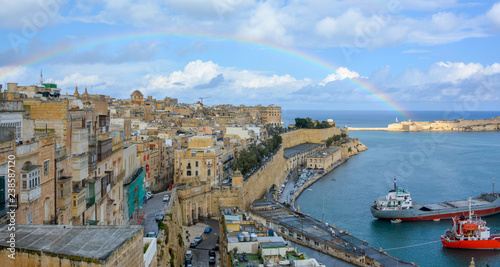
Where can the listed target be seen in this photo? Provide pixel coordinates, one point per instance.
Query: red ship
(470, 234)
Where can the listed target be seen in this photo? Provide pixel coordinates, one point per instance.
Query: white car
(166, 198)
(149, 195)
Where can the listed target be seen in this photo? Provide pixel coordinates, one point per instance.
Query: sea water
(438, 166)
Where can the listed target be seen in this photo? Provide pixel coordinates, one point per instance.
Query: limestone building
(66, 245)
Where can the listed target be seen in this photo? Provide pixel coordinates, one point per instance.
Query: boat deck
(456, 204)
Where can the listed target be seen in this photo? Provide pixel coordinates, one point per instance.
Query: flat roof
(96, 242)
(299, 149)
(272, 244)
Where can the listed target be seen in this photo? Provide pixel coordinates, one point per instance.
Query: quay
(308, 231)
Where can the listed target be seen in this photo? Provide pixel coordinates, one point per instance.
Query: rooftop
(299, 149)
(96, 242)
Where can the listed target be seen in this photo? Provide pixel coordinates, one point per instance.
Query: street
(151, 208)
(200, 253)
(285, 195)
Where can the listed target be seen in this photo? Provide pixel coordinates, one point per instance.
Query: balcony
(26, 148)
(78, 201)
(28, 196)
(79, 141)
(60, 153)
(92, 140)
(80, 168)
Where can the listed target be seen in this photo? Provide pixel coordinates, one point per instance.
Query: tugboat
(399, 205)
(470, 234)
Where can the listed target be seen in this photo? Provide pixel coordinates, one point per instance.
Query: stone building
(271, 115)
(324, 158)
(66, 245)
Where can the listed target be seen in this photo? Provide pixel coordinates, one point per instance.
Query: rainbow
(60, 51)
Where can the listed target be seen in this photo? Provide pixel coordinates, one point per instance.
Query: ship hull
(489, 244)
(444, 211)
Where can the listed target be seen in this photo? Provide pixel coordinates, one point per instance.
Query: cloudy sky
(315, 54)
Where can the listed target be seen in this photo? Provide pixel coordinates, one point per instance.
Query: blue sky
(415, 55)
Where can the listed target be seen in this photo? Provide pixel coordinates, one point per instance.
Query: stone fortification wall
(302, 136)
(455, 125)
(171, 248)
(272, 172)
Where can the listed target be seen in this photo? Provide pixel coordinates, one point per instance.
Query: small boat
(436, 219)
(470, 234)
(396, 221)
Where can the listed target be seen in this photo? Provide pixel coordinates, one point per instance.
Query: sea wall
(352, 147)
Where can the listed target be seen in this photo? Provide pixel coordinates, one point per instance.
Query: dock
(308, 231)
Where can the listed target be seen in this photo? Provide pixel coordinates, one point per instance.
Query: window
(105, 166)
(188, 173)
(196, 163)
(196, 173)
(46, 165)
(29, 217)
(31, 179)
(61, 193)
(208, 172)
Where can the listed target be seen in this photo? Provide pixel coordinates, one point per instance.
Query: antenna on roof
(41, 77)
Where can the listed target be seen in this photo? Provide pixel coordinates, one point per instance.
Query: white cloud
(445, 21)
(74, 79)
(340, 74)
(494, 14)
(453, 71)
(29, 15)
(267, 23)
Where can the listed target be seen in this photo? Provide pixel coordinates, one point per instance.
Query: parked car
(189, 254)
(159, 216)
(149, 195)
(193, 244)
(216, 247)
(211, 257)
(166, 198)
(198, 239)
(151, 234)
(208, 230)
(188, 263)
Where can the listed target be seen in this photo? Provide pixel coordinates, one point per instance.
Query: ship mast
(470, 207)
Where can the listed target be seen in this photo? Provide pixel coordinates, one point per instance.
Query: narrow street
(152, 207)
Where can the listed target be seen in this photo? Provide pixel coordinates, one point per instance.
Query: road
(285, 195)
(200, 253)
(151, 208)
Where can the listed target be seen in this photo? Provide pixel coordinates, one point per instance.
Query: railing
(151, 251)
(92, 140)
(26, 148)
(60, 153)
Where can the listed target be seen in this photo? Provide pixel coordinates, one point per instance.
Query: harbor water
(434, 167)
